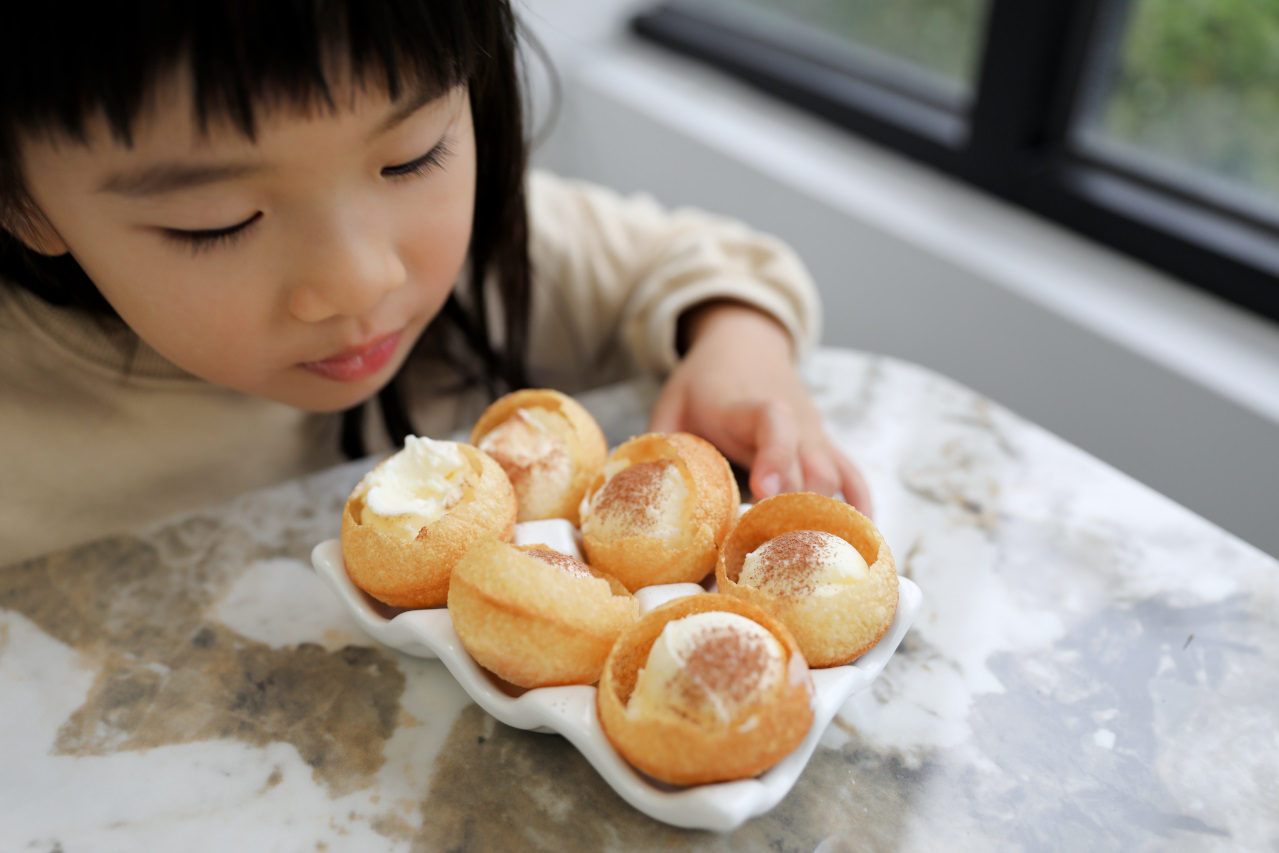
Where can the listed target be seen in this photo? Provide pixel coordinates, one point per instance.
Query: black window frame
(1014, 141)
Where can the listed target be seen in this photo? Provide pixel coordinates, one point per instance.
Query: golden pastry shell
(709, 513)
(531, 623)
(587, 445)
(681, 752)
(835, 628)
(414, 572)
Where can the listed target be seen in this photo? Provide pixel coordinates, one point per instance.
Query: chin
(312, 393)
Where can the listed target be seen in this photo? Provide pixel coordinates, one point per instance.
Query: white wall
(1165, 383)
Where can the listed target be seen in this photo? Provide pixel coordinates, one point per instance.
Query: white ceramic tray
(570, 711)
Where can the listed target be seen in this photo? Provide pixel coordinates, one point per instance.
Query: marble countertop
(1093, 666)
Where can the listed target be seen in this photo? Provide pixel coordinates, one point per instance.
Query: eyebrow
(169, 177)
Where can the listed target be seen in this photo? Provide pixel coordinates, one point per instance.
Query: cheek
(436, 243)
(211, 326)
(442, 251)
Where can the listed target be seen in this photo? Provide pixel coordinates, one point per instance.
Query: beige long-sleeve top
(99, 433)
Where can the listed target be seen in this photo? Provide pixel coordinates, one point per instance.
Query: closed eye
(211, 238)
(423, 165)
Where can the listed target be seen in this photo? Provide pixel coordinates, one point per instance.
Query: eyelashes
(217, 238)
(424, 165)
(211, 238)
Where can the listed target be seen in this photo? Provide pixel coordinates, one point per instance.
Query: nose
(344, 270)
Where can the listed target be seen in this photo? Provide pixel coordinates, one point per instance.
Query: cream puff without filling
(535, 617)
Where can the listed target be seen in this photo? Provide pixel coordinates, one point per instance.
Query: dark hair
(60, 65)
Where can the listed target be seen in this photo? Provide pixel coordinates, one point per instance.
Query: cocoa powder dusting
(634, 493)
(792, 559)
(728, 663)
(576, 568)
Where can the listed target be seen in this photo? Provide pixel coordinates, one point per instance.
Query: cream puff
(659, 510)
(410, 519)
(535, 617)
(705, 689)
(819, 566)
(550, 447)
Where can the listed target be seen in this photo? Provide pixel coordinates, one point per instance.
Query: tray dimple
(570, 711)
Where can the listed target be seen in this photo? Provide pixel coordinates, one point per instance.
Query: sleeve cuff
(657, 338)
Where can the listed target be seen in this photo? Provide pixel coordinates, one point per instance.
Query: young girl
(229, 225)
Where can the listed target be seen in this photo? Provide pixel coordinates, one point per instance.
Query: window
(1150, 125)
(1191, 90)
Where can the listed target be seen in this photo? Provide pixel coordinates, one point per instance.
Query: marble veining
(1093, 666)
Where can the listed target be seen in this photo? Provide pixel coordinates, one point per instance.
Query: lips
(359, 363)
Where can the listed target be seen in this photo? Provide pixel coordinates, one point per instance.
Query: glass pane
(941, 37)
(1196, 85)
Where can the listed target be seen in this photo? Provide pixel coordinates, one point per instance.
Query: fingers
(784, 455)
(828, 471)
(814, 464)
(668, 413)
(821, 474)
(854, 486)
(776, 466)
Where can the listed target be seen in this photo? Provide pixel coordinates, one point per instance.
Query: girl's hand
(737, 387)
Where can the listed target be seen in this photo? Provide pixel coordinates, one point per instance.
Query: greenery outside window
(1189, 93)
(935, 44)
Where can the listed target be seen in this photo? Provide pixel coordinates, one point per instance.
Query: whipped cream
(708, 668)
(530, 448)
(416, 486)
(803, 562)
(640, 499)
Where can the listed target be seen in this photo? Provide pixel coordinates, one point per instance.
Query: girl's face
(300, 266)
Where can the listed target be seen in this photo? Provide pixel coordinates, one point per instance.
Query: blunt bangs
(66, 62)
